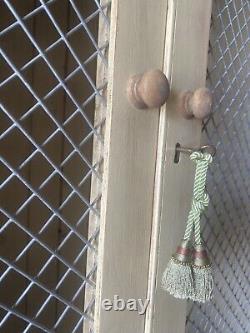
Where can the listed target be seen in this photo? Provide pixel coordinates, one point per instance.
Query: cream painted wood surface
(185, 61)
(136, 45)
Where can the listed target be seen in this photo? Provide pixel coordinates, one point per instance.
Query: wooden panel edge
(101, 242)
(160, 158)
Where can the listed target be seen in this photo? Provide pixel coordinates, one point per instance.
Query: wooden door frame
(145, 196)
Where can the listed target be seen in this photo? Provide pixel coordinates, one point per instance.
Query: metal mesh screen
(226, 222)
(50, 174)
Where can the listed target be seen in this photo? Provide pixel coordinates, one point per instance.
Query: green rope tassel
(188, 274)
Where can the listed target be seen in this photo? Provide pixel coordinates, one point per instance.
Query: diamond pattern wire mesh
(226, 222)
(50, 52)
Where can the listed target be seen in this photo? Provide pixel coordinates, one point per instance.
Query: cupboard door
(136, 45)
(185, 64)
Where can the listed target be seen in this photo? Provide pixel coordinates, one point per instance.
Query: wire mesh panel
(226, 222)
(50, 174)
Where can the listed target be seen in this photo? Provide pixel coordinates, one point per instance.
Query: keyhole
(177, 153)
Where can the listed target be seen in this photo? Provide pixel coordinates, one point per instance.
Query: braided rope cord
(200, 197)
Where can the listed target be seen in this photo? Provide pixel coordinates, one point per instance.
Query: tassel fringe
(203, 284)
(177, 279)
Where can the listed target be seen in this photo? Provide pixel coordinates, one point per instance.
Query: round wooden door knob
(148, 90)
(196, 104)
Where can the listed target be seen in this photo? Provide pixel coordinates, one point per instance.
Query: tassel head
(200, 256)
(183, 254)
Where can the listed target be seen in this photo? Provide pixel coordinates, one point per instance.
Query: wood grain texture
(185, 63)
(137, 43)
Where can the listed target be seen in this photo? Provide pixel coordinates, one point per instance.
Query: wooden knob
(148, 90)
(196, 104)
